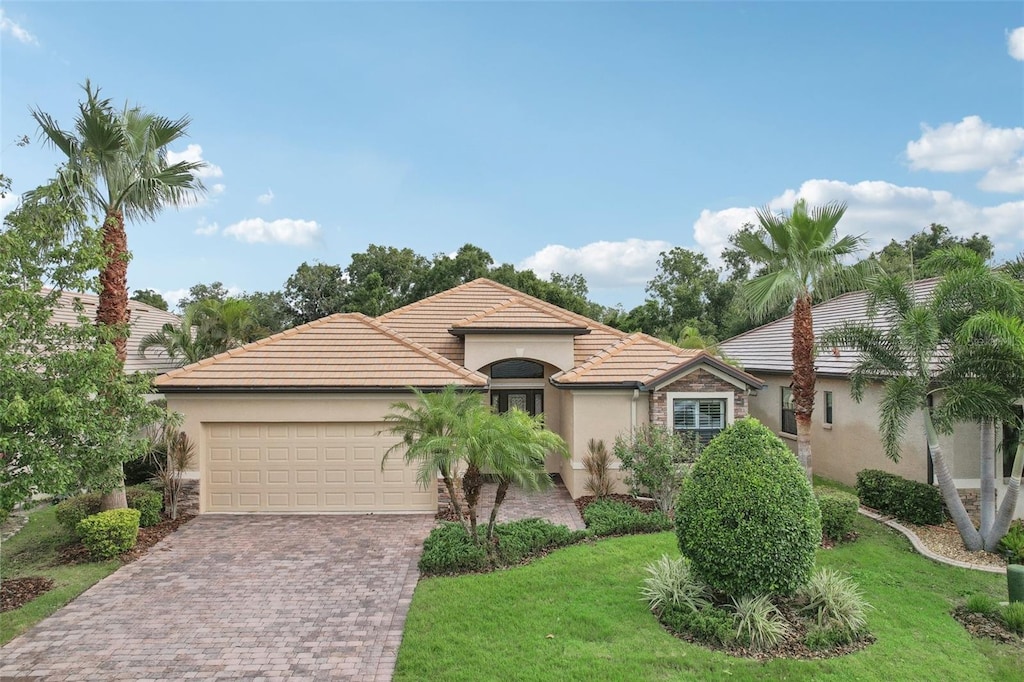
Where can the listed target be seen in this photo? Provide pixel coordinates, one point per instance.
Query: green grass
(577, 615)
(822, 482)
(33, 552)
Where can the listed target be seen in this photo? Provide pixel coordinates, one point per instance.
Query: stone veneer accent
(697, 381)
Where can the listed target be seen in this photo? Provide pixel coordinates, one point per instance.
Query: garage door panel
(332, 467)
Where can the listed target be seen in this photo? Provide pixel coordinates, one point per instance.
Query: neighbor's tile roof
(145, 320)
(769, 348)
(340, 351)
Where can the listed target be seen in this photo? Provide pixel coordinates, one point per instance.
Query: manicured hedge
(838, 510)
(746, 516)
(609, 517)
(907, 500)
(147, 501)
(109, 533)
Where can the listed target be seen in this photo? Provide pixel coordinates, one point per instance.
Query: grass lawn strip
(577, 615)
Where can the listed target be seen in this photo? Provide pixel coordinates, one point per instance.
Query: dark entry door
(530, 400)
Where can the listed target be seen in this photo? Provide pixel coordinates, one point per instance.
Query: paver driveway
(253, 597)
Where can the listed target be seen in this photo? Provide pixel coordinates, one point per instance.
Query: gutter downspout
(632, 409)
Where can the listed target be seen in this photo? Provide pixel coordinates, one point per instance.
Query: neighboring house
(844, 434)
(295, 422)
(145, 320)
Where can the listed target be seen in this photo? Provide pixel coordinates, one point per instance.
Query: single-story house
(144, 320)
(295, 422)
(844, 436)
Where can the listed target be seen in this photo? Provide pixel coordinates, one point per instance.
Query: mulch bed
(645, 505)
(77, 554)
(18, 591)
(987, 626)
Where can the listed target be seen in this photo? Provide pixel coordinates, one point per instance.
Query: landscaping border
(920, 546)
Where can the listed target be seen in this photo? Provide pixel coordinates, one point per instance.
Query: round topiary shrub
(746, 516)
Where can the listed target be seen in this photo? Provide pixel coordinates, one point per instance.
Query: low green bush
(148, 502)
(144, 498)
(609, 517)
(981, 603)
(519, 540)
(449, 550)
(1012, 544)
(710, 625)
(109, 533)
(1013, 616)
(838, 510)
(827, 637)
(907, 500)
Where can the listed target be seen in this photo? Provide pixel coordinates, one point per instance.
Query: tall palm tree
(428, 429)
(943, 351)
(117, 166)
(802, 253)
(518, 457)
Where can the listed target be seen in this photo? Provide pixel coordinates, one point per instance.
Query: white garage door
(299, 467)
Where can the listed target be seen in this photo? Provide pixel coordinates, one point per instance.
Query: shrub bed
(907, 500)
(609, 517)
(109, 533)
(143, 498)
(838, 510)
(449, 550)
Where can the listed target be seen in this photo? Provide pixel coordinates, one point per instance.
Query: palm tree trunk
(988, 475)
(950, 495)
(112, 312)
(1004, 516)
(803, 378)
(472, 481)
(449, 485)
(499, 497)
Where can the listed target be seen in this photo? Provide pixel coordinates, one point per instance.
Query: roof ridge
(434, 356)
(181, 371)
(485, 312)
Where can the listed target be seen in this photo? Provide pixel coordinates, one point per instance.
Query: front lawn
(35, 551)
(577, 615)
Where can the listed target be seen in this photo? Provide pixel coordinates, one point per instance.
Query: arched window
(517, 369)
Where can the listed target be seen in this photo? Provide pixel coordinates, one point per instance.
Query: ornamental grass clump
(759, 622)
(746, 517)
(671, 583)
(836, 603)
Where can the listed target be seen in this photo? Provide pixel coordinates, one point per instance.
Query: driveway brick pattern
(555, 505)
(240, 597)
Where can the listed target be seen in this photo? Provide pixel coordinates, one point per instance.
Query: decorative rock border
(922, 549)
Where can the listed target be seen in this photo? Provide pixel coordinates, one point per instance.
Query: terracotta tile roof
(429, 320)
(145, 320)
(768, 348)
(518, 314)
(341, 351)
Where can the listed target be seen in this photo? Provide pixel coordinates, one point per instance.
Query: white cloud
(172, 296)
(218, 189)
(8, 203)
(1015, 43)
(16, 30)
(968, 145)
(604, 264)
(194, 154)
(283, 231)
(1005, 178)
(266, 198)
(879, 210)
(207, 229)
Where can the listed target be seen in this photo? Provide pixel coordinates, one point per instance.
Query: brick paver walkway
(555, 505)
(245, 597)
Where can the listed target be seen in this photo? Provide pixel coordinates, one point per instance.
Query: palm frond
(901, 398)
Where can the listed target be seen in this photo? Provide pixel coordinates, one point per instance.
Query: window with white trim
(788, 411)
(703, 416)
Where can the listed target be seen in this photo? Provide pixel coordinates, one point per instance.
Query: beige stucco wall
(553, 349)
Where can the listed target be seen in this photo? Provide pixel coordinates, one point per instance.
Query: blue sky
(569, 137)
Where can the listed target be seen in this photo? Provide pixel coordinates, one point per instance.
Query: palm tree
(518, 457)
(428, 431)
(802, 254)
(941, 348)
(180, 343)
(227, 324)
(117, 165)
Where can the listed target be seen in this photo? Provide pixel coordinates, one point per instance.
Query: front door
(530, 400)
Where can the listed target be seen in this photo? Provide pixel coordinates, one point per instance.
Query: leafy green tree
(203, 292)
(270, 310)
(315, 291)
(116, 164)
(903, 258)
(69, 417)
(681, 287)
(962, 349)
(802, 255)
(383, 278)
(469, 263)
(150, 298)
